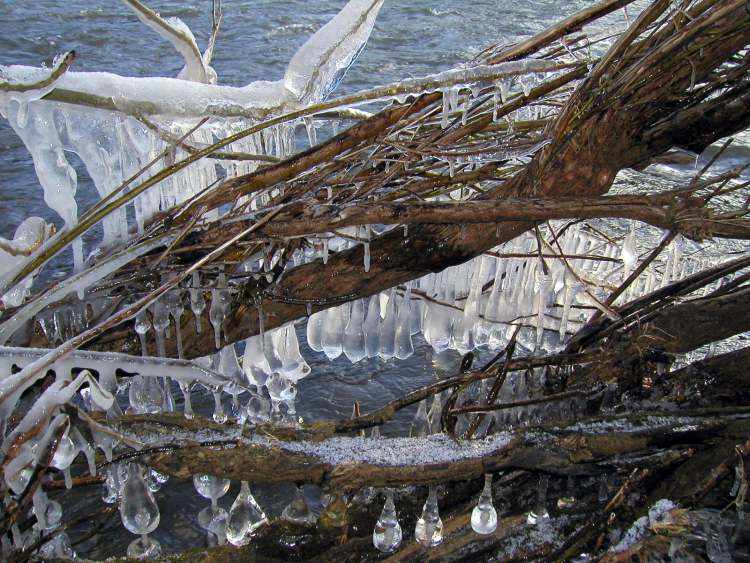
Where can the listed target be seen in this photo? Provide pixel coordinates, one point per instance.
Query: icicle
(311, 132)
(142, 326)
(429, 529)
(372, 327)
(387, 341)
(245, 517)
(354, 334)
(569, 500)
(568, 296)
(176, 309)
(217, 313)
(145, 395)
(325, 251)
(160, 317)
(197, 302)
(386, 537)
(434, 414)
(140, 515)
(366, 246)
(188, 405)
(446, 110)
(484, 515)
(403, 346)
(333, 331)
(542, 283)
(315, 330)
(420, 426)
(219, 414)
(629, 254)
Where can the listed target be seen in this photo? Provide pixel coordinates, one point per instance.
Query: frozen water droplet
(245, 517)
(429, 529)
(386, 537)
(484, 515)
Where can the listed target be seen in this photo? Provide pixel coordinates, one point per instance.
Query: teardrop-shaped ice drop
(145, 394)
(297, 511)
(484, 515)
(386, 536)
(429, 529)
(138, 508)
(354, 334)
(245, 517)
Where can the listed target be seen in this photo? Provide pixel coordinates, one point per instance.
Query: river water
(411, 38)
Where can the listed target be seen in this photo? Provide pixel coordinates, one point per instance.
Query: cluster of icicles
(461, 308)
(480, 302)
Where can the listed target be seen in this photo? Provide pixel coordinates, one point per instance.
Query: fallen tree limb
(344, 463)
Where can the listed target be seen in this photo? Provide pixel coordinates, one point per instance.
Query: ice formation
(115, 140)
(131, 123)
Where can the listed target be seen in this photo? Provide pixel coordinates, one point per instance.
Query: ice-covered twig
(75, 283)
(216, 14)
(180, 370)
(24, 246)
(320, 64)
(179, 35)
(35, 79)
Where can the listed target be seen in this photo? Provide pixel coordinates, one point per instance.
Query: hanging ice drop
(297, 511)
(160, 317)
(429, 529)
(484, 515)
(176, 309)
(245, 517)
(208, 486)
(142, 326)
(386, 537)
(197, 302)
(140, 515)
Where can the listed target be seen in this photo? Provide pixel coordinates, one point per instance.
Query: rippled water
(411, 38)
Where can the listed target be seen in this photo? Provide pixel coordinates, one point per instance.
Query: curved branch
(179, 35)
(60, 67)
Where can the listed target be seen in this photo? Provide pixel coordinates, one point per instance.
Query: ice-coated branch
(13, 79)
(216, 16)
(179, 35)
(320, 64)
